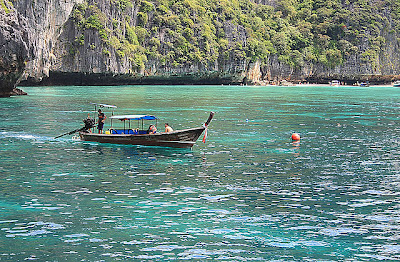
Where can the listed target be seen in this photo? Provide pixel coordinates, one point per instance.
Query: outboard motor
(89, 123)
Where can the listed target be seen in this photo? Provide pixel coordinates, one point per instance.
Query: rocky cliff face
(14, 49)
(102, 43)
(88, 42)
(29, 32)
(45, 23)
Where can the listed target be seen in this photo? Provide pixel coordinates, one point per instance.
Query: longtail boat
(185, 138)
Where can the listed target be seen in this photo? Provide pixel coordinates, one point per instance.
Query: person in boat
(168, 128)
(100, 123)
(152, 129)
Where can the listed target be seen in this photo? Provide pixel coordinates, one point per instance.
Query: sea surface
(248, 194)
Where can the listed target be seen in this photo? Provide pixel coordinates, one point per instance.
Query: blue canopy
(134, 117)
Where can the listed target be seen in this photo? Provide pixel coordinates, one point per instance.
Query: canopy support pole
(95, 110)
(112, 113)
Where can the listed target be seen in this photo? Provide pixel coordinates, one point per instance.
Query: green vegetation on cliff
(204, 33)
(4, 3)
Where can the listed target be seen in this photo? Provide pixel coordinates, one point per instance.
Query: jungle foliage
(193, 32)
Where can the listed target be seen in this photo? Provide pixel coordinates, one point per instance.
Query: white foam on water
(23, 136)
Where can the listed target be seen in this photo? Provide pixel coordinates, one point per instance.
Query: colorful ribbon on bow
(205, 134)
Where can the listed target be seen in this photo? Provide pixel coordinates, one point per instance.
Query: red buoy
(295, 137)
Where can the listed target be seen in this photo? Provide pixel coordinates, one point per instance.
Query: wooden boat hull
(179, 139)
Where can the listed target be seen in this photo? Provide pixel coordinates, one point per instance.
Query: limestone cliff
(108, 42)
(102, 43)
(14, 49)
(46, 21)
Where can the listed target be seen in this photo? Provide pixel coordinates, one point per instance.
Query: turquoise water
(247, 194)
